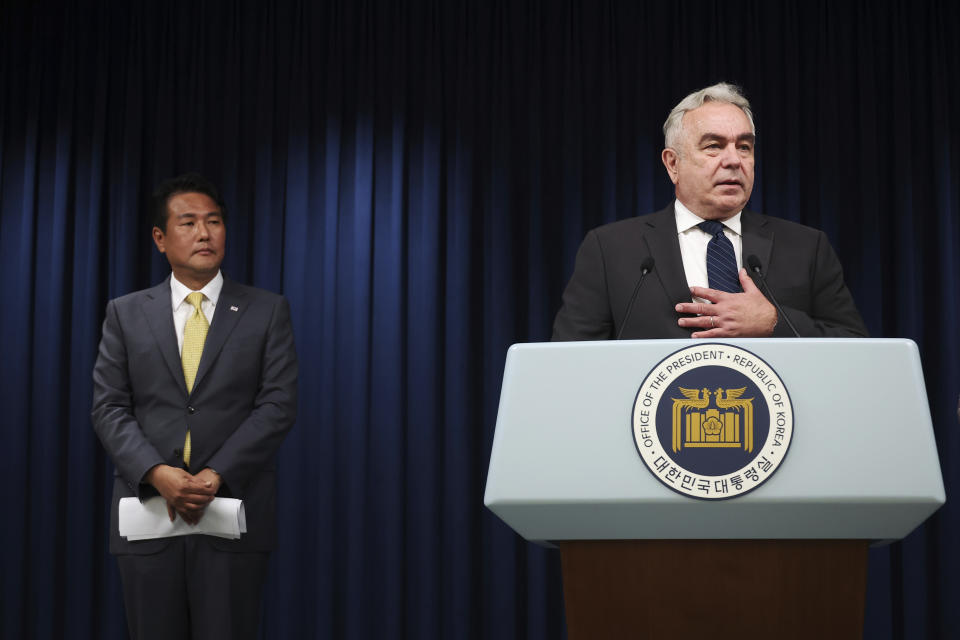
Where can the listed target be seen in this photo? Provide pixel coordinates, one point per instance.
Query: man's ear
(159, 239)
(670, 160)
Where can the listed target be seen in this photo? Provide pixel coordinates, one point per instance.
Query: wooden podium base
(680, 589)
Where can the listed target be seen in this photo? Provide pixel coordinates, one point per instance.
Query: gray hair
(720, 92)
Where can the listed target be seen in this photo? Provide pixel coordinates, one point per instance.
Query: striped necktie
(194, 335)
(722, 271)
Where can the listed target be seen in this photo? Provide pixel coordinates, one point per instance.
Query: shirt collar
(211, 290)
(687, 219)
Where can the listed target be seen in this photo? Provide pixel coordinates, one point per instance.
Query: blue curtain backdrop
(416, 177)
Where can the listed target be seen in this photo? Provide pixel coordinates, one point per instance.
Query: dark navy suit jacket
(801, 268)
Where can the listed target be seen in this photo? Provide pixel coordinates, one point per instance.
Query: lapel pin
(232, 308)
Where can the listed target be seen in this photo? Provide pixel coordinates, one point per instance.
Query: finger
(712, 333)
(196, 498)
(698, 322)
(191, 505)
(171, 512)
(198, 490)
(190, 517)
(194, 481)
(707, 294)
(746, 282)
(696, 308)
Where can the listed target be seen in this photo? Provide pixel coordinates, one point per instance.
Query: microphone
(754, 263)
(645, 267)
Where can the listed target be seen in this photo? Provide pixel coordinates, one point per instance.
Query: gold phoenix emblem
(728, 424)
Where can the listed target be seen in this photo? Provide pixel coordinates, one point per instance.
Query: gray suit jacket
(243, 401)
(801, 269)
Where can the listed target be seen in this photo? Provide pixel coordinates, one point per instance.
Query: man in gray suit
(194, 389)
(694, 250)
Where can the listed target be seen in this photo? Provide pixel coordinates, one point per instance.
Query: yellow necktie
(194, 335)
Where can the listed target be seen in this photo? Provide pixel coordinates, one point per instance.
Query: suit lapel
(664, 246)
(230, 306)
(159, 315)
(757, 239)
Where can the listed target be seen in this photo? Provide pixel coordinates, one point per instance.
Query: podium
(642, 560)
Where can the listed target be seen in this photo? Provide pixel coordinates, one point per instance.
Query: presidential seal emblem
(712, 421)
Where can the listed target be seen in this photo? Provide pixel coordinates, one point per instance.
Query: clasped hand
(744, 315)
(186, 494)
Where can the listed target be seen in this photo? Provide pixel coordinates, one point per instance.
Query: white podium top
(862, 462)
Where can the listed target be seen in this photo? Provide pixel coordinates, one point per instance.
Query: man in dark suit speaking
(195, 387)
(693, 250)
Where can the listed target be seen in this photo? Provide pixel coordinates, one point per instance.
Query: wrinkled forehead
(717, 119)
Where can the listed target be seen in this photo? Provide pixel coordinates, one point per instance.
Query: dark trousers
(190, 589)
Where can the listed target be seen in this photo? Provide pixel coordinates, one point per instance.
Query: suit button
(177, 452)
(191, 410)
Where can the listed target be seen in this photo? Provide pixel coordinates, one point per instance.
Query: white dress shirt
(182, 309)
(694, 241)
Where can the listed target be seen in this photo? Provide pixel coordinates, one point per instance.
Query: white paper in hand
(224, 518)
